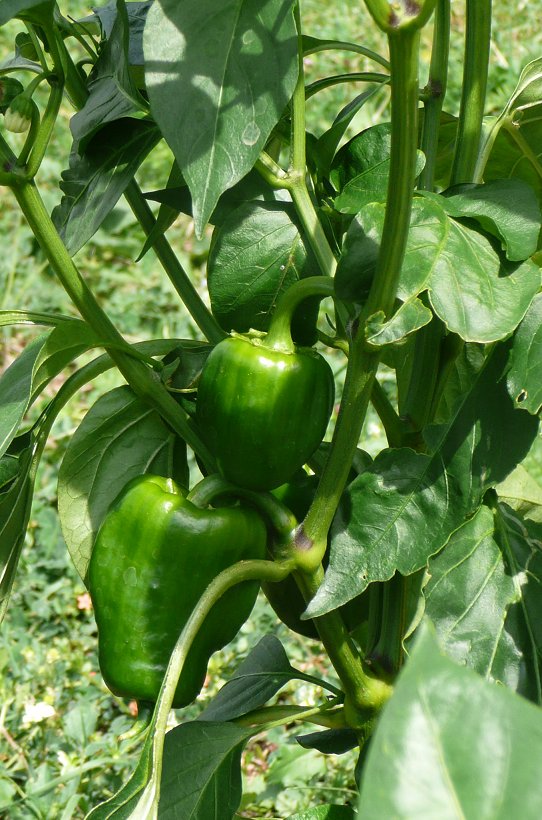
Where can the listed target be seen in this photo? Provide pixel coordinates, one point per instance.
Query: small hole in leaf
(521, 396)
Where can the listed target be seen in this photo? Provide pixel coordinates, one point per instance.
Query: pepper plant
(410, 247)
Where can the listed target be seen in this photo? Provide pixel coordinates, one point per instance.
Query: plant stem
(473, 97)
(142, 380)
(436, 88)
(391, 422)
(363, 363)
(173, 268)
(255, 570)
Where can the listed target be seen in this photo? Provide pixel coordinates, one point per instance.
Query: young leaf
(217, 102)
(524, 382)
(411, 316)
(97, 179)
(330, 741)
(265, 670)
(522, 493)
(119, 438)
(420, 765)
(405, 506)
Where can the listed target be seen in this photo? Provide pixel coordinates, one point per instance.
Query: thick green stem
(173, 268)
(140, 378)
(393, 426)
(364, 692)
(436, 91)
(362, 363)
(473, 97)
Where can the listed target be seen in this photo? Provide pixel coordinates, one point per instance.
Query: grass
(59, 726)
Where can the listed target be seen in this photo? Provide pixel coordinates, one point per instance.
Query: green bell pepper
(154, 555)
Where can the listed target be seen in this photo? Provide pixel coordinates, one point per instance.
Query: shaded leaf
(217, 103)
(15, 506)
(265, 670)
(524, 381)
(119, 438)
(36, 11)
(201, 777)
(420, 765)
(97, 179)
(523, 493)
(330, 741)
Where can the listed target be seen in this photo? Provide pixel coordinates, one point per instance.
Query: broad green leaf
(119, 438)
(468, 596)
(256, 254)
(506, 208)
(524, 377)
(265, 670)
(516, 152)
(523, 493)
(476, 292)
(96, 180)
(63, 345)
(15, 505)
(367, 152)
(219, 79)
(405, 506)
(419, 764)
(35, 11)
(201, 776)
(411, 316)
(9, 469)
(329, 812)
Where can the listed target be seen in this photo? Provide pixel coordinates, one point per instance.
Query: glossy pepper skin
(263, 411)
(154, 555)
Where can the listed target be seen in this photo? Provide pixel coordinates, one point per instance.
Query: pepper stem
(279, 516)
(279, 336)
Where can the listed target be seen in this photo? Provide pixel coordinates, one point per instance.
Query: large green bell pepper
(263, 409)
(154, 555)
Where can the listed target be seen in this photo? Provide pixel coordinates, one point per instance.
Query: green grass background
(59, 726)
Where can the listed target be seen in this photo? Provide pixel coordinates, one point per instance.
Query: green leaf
(16, 389)
(517, 227)
(523, 493)
(329, 812)
(201, 776)
(119, 438)
(420, 765)
(256, 254)
(405, 506)
(528, 91)
(217, 97)
(330, 741)
(166, 214)
(468, 596)
(476, 292)
(519, 661)
(9, 469)
(265, 670)
(112, 94)
(97, 179)
(15, 506)
(35, 11)
(524, 382)
(410, 316)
